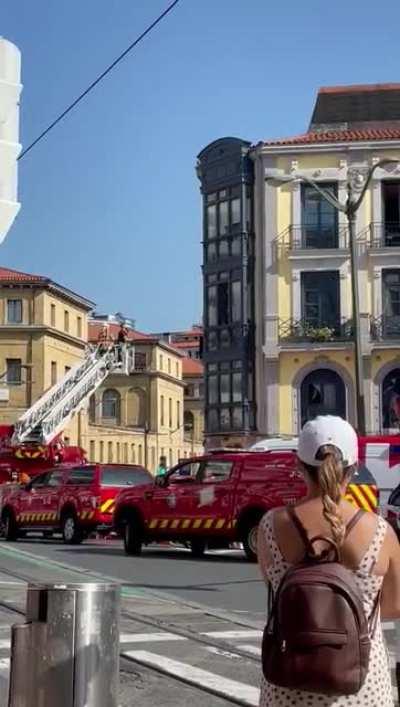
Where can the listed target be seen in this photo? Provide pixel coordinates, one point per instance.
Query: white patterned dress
(377, 689)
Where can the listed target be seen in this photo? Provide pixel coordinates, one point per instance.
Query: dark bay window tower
(226, 175)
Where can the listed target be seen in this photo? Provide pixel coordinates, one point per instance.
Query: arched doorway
(390, 400)
(322, 393)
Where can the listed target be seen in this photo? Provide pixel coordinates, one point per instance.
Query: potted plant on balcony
(323, 333)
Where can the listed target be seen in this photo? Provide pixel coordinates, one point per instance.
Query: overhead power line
(99, 78)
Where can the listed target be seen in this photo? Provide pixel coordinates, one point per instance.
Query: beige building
(304, 343)
(137, 418)
(193, 376)
(134, 417)
(43, 333)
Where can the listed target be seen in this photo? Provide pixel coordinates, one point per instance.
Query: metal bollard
(67, 653)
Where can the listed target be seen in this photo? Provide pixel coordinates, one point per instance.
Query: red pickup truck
(73, 500)
(220, 498)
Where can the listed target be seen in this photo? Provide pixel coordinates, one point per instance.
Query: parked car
(215, 500)
(72, 500)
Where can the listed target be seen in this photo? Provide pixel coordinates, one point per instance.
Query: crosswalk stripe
(124, 638)
(149, 637)
(224, 687)
(387, 625)
(233, 634)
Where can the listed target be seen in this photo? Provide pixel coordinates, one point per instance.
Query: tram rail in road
(137, 648)
(212, 651)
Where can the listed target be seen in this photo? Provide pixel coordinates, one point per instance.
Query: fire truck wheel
(71, 532)
(198, 547)
(132, 539)
(10, 526)
(249, 540)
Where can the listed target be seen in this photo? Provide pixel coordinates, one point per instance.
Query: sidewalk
(174, 653)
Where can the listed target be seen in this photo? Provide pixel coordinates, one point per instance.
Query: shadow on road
(167, 554)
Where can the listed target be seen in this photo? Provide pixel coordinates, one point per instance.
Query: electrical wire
(99, 78)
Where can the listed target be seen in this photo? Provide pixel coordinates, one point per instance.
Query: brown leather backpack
(318, 637)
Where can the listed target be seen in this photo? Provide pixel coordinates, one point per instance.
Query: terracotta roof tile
(192, 367)
(360, 88)
(8, 275)
(362, 135)
(133, 335)
(186, 344)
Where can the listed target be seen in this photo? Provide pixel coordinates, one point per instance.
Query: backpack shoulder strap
(299, 526)
(353, 521)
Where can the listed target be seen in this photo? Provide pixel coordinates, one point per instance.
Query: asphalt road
(224, 581)
(190, 629)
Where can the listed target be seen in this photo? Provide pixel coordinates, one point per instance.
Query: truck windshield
(362, 475)
(124, 476)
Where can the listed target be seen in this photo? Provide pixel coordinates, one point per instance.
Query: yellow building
(134, 417)
(303, 312)
(193, 376)
(139, 417)
(43, 333)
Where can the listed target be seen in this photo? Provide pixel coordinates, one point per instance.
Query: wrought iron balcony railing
(385, 327)
(385, 235)
(309, 236)
(297, 330)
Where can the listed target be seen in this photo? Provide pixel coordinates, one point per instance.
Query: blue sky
(110, 201)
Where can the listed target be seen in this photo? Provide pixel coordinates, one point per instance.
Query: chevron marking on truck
(189, 523)
(363, 496)
(86, 515)
(107, 506)
(31, 517)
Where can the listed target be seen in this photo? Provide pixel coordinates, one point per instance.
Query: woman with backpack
(334, 573)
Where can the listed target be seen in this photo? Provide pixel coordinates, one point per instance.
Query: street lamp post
(357, 185)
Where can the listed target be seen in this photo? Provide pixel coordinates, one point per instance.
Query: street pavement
(190, 629)
(223, 579)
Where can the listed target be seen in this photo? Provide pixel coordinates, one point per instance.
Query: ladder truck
(34, 442)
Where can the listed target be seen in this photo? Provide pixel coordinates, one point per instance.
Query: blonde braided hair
(330, 477)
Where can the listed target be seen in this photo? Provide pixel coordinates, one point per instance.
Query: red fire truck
(34, 443)
(219, 498)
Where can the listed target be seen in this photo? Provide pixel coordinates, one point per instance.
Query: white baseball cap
(327, 429)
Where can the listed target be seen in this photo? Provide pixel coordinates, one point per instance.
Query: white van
(275, 444)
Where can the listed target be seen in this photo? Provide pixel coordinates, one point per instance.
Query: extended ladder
(49, 415)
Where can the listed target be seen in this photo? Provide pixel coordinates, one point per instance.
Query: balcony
(296, 331)
(385, 328)
(384, 235)
(308, 237)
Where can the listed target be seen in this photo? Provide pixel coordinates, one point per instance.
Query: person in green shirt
(162, 467)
